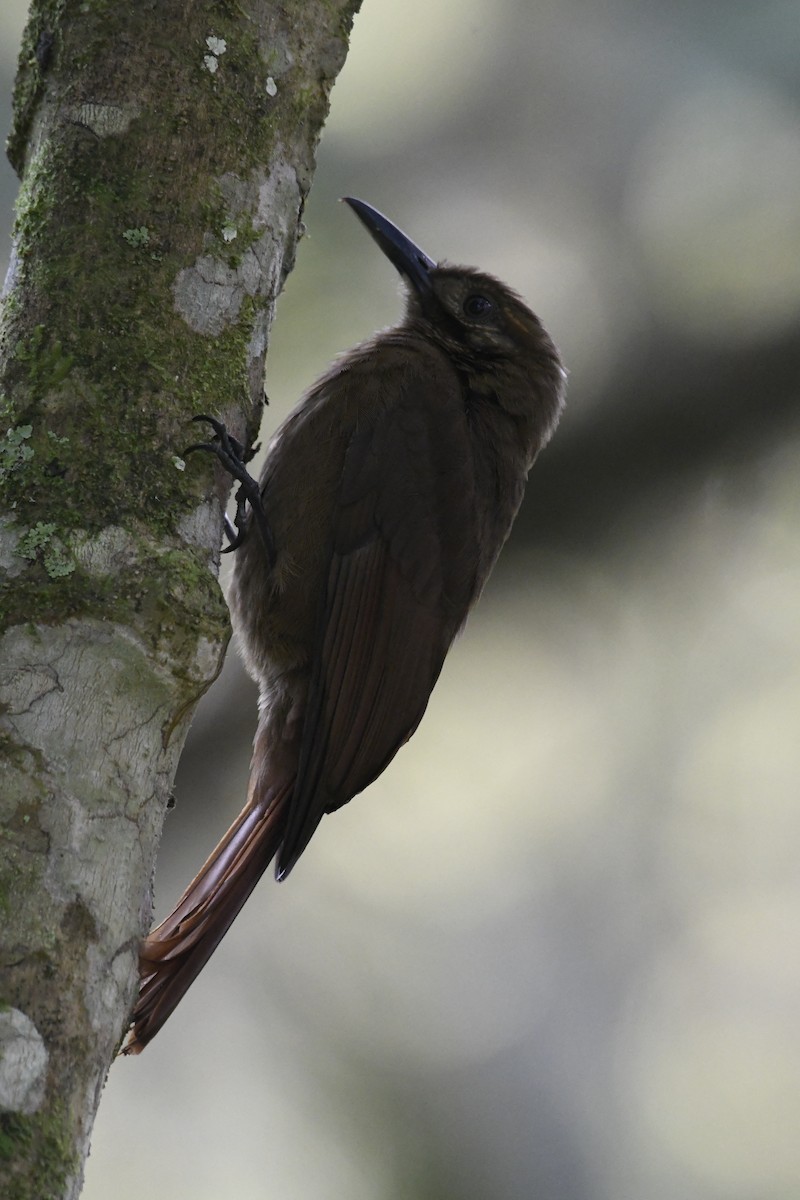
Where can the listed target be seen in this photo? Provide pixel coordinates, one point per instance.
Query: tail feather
(175, 952)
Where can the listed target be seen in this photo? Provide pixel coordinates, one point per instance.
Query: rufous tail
(175, 952)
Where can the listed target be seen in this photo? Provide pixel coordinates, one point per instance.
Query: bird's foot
(234, 457)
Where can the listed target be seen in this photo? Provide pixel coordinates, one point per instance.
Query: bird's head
(482, 324)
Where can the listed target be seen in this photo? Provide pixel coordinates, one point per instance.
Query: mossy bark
(165, 150)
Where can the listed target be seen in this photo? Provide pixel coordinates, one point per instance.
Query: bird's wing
(399, 583)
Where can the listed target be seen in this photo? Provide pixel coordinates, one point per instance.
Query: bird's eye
(477, 306)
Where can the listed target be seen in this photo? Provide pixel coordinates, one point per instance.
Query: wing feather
(399, 583)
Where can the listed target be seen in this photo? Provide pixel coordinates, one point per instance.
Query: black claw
(230, 531)
(233, 456)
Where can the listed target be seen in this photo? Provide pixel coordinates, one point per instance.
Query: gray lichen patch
(108, 991)
(23, 1063)
(217, 46)
(209, 295)
(202, 527)
(278, 194)
(257, 346)
(104, 120)
(207, 660)
(104, 553)
(11, 563)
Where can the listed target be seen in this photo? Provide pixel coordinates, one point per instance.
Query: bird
(384, 501)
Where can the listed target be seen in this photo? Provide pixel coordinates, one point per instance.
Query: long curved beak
(399, 249)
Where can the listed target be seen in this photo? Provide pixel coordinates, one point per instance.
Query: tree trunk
(165, 150)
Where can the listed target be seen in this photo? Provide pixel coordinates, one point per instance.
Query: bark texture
(165, 150)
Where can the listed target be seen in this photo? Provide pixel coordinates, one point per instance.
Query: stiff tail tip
(175, 952)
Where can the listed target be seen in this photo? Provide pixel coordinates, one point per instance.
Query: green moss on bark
(43, 1143)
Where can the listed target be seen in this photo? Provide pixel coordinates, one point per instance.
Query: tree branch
(165, 152)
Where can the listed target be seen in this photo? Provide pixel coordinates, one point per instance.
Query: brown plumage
(388, 494)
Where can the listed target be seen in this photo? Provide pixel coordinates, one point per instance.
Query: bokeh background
(553, 953)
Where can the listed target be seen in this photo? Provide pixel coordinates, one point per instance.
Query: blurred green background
(554, 951)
